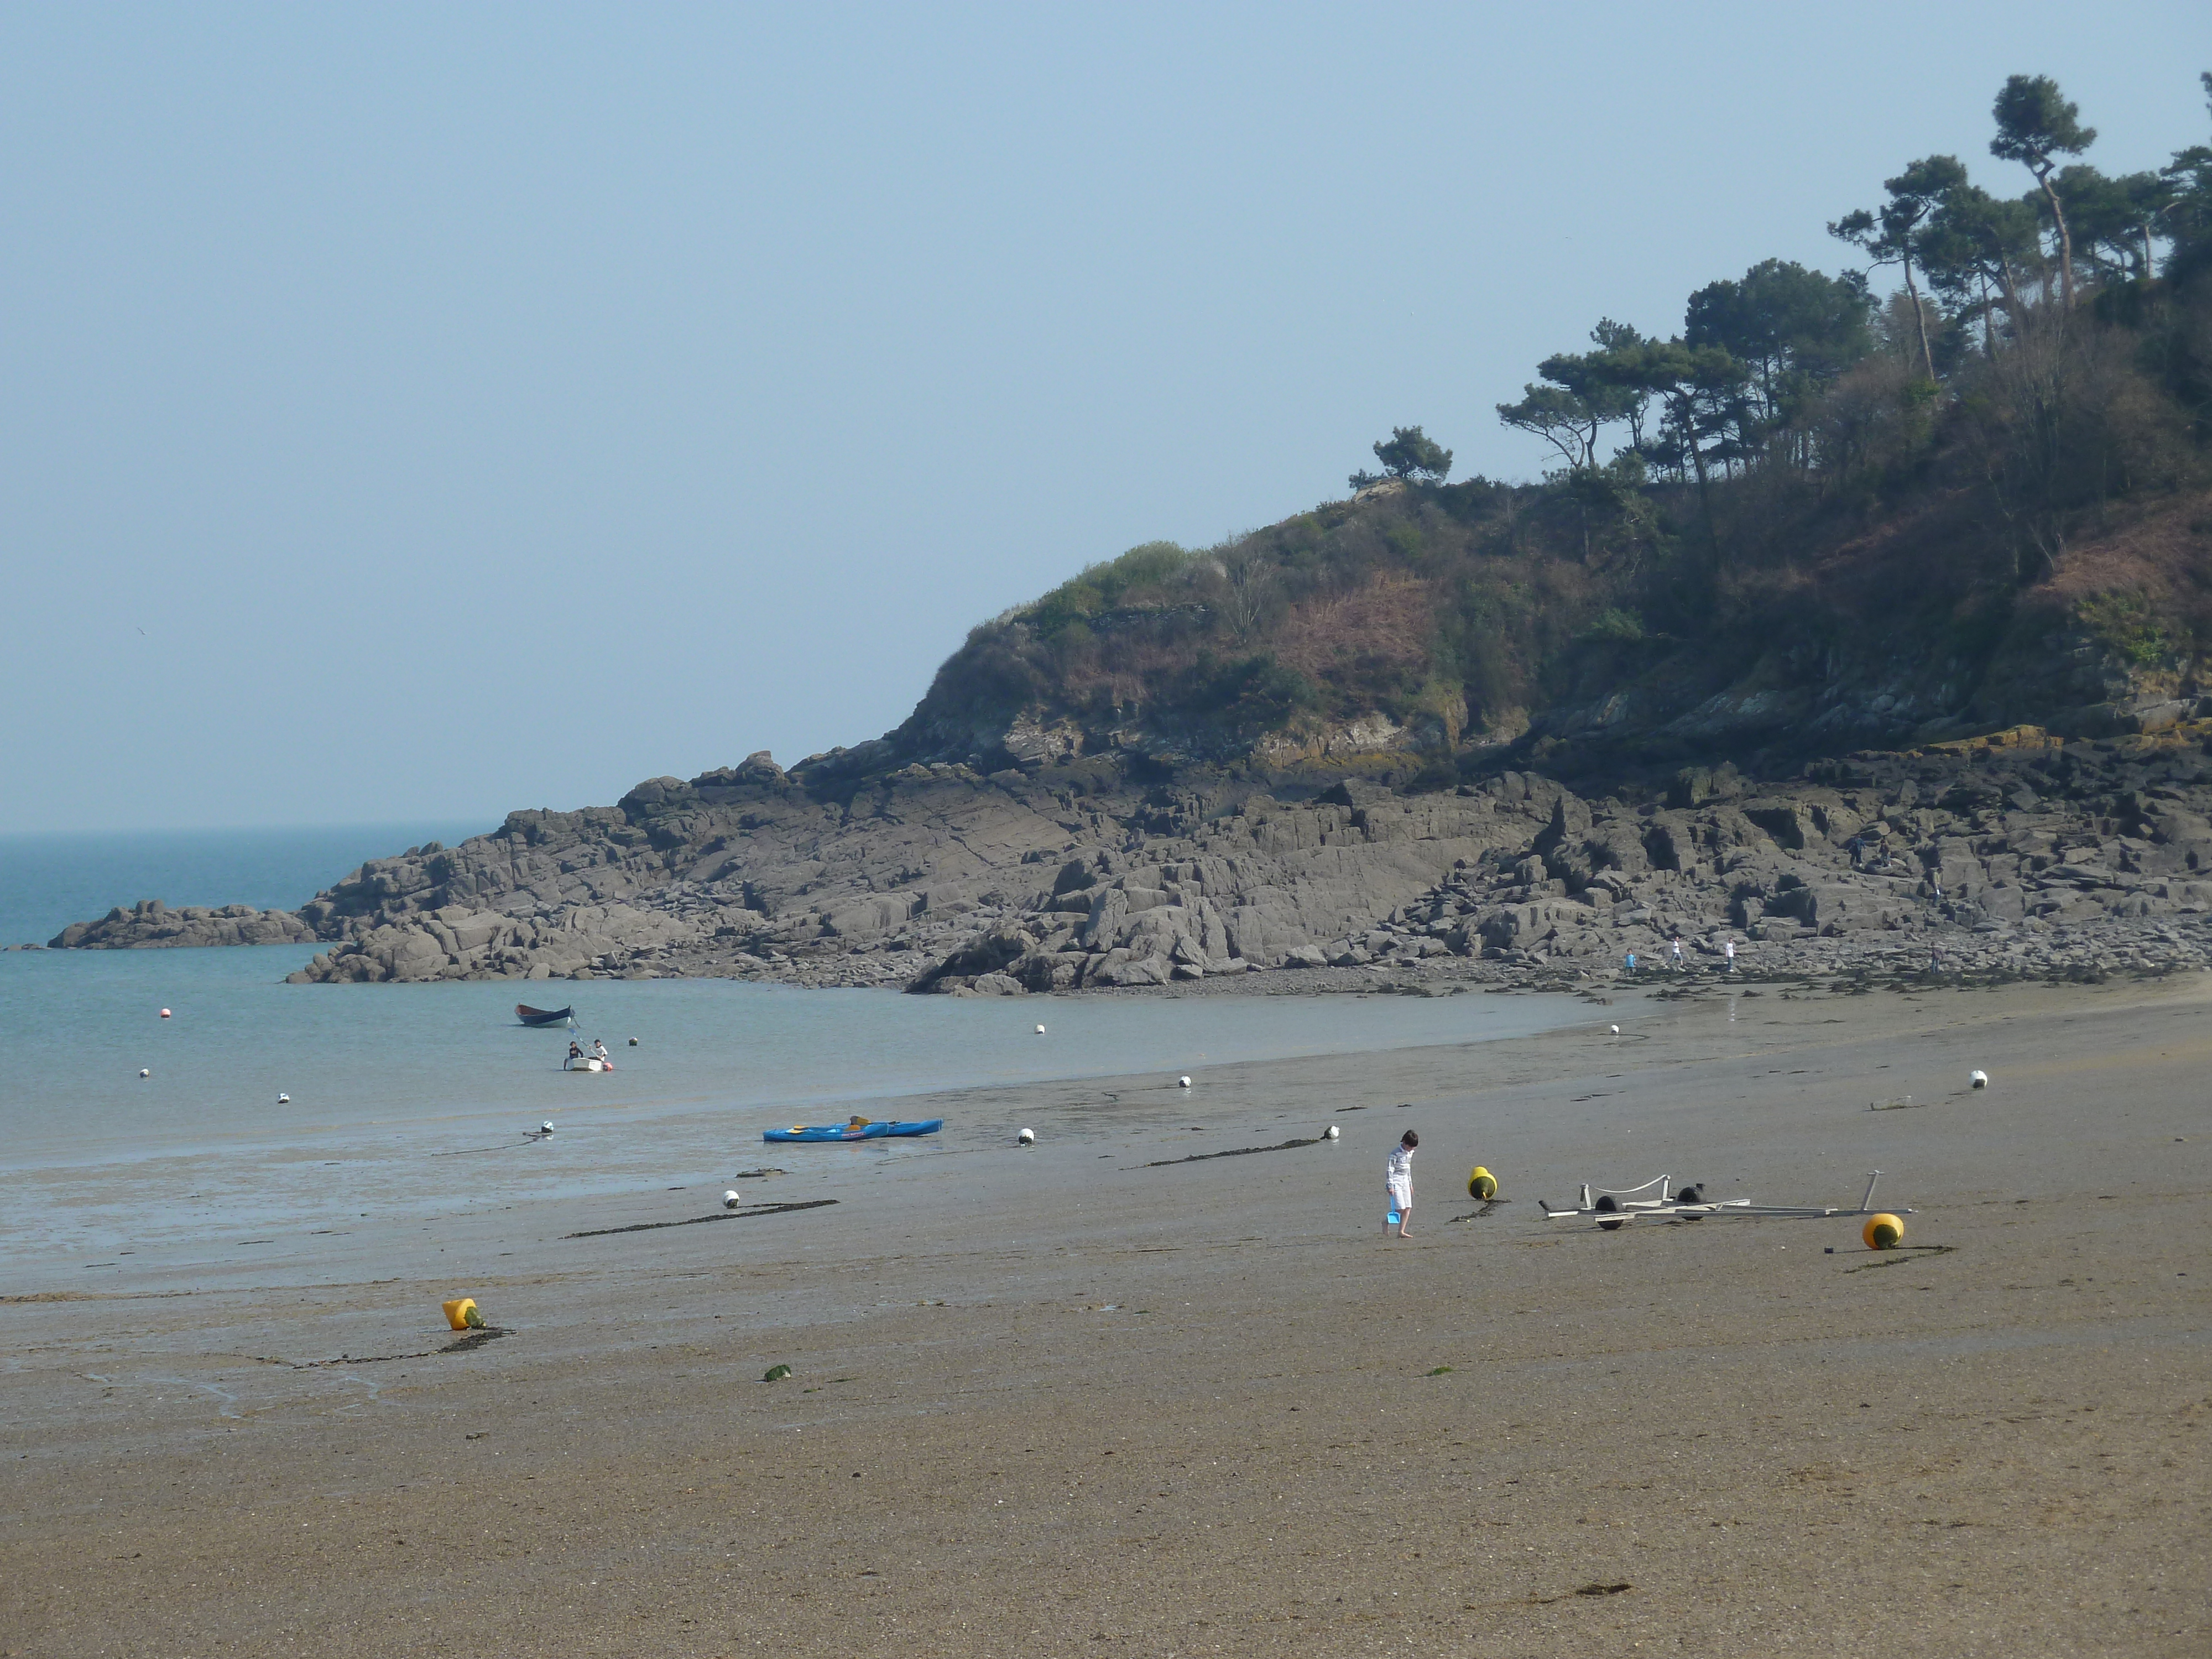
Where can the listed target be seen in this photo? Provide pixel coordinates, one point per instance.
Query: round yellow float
(1882, 1232)
(461, 1314)
(1481, 1184)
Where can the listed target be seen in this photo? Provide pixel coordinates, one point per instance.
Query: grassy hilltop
(1813, 521)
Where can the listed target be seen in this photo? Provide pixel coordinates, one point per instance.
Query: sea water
(408, 1099)
(49, 881)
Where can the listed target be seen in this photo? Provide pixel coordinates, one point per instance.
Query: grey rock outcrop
(2002, 851)
(1230, 882)
(1022, 881)
(149, 925)
(2020, 849)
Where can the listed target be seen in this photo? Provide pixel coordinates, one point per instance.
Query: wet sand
(1054, 1400)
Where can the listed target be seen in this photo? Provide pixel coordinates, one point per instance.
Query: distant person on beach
(1398, 1177)
(1677, 965)
(1631, 961)
(1728, 949)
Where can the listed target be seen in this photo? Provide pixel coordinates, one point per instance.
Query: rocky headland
(1879, 645)
(1098, 792)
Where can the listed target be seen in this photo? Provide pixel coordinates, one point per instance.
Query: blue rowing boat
(852, 1130)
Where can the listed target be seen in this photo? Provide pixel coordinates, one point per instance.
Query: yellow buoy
(1882, 1232)
(461, 1314)
(1481, 1183)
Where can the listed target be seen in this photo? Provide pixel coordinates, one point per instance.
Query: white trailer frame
(1626, 1206)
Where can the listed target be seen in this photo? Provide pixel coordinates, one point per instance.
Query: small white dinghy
(588, 1064)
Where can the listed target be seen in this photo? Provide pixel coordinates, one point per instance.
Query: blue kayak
(844, 1132)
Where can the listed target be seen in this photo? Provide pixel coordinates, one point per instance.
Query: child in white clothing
(1398, 1177)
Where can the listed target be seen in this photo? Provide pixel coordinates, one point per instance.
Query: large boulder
(870, 917)
(984, 954)
(656, 795)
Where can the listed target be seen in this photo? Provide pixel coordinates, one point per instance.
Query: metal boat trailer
(1615, 1207)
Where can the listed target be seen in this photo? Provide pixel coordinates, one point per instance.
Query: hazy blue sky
(416, 411)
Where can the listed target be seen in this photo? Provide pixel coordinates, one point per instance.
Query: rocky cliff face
(1992, 847)
(2012, 851)
(875, 881)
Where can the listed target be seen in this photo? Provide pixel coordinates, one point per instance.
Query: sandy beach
(1076, 1398)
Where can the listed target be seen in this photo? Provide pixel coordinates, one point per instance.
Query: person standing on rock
(1676, 966)
(1398, 1178)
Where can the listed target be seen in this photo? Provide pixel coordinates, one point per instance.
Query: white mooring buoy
(1026, 1137)
(1333, 1131)
(144, 1072)
(731, 1200)
(1977, 1080)
(1182, 1083)
(1040, 1031)
(283, 1100)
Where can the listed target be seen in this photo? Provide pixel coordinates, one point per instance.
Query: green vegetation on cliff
(1811, 520)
